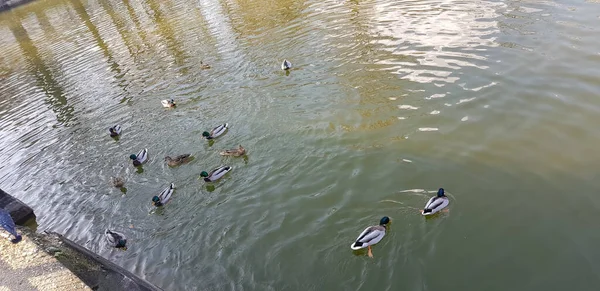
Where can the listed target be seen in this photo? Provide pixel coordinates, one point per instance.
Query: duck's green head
(155, 199)
(121, 243)
(133, 156)
(206, 134)
(204, 174)
(384, 221)
(441, 192)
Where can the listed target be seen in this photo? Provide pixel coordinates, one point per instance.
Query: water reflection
(55, 95)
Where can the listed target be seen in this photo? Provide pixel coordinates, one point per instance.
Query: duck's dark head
(112, 130)
(206, 134)
(441, 192)
(384, 221)
(121, 243)
(204, 174)
(156, 201)
(133, 156)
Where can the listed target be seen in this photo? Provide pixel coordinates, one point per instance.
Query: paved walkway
(25, 267)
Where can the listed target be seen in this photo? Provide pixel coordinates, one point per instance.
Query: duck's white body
(286, 65)
(142, 156)
(218, 131)
(435, 204)
(218, 173)
(113, 237)
(168, 103)
(165, 195)
(370, 236)
(115, 130)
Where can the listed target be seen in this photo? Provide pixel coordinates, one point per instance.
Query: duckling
(115, 131)
(234, 152)
(164, 196)
(215, 174)
(8, 224)
(216, 132)
(178, 160)
(116, 239)
(286, 65)
(168, 103)
(140, 158)
(204, 66)
(118, 182)
(371, 235)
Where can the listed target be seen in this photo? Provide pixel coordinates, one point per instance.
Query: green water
(496, 101)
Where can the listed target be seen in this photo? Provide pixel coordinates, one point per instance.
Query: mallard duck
(118, 181)
(204, 66)
(8, 224)
(216, 132)
(115, 131)
(436, 203)
(115, 239)
(371, 235)
(178, 160)
(234, 152)
(164, 196)
(286, 65)
(140, 158)
(215, 174)
(168, 103)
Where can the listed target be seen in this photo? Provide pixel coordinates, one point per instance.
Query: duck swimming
(286, 65)
(371, 235)
(168, 103)
(8, 224)
(118, 182)
(178, 160)
(140, 158)
(115, 131)
(204, 66)
(216, 132)
(234, 152)
(215, 174)
(436, 203)
(116, 239)
(164, 196)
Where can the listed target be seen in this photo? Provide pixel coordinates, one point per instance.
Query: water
(496, 101)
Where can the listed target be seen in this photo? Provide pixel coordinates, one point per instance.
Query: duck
(115, 131)
(178, 160)
(216, 132)
(8, 224)
(118, 182)
(286, 65)
(436, 203)
(168, 103)
(234, 152)
(215, 174)
(204, 66)
(164, 196)
(140, 158)
(115, 239)
(371, 235)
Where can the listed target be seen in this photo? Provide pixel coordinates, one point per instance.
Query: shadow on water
(166, 30)
(45, 79)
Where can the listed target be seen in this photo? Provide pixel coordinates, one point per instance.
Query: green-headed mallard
(168, 103)
(436, 203)
(371, 235)
(215, 174)
(140, 158)
(115, 131)
(116, 239)
(164, 196)
(216, 132)
(234, 152)
(178, 160)
(286, 65)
